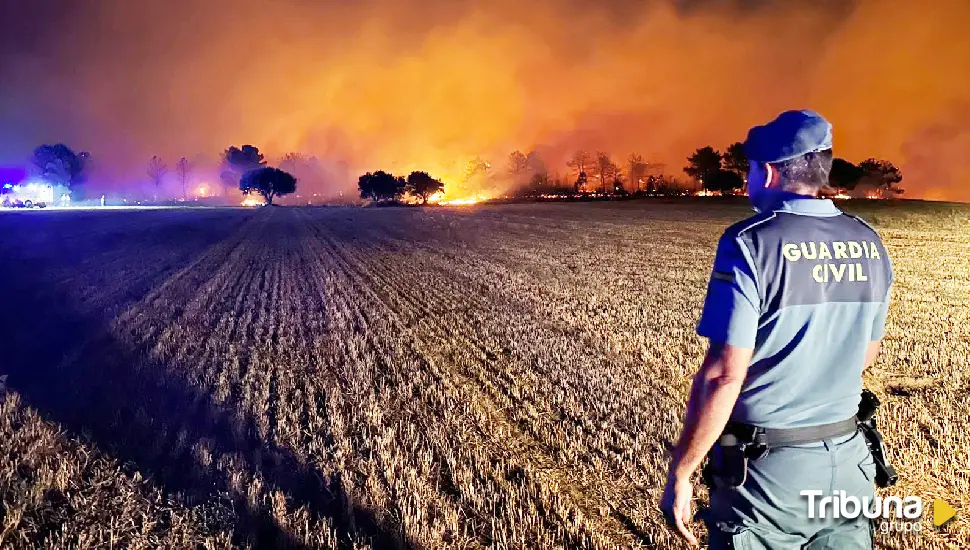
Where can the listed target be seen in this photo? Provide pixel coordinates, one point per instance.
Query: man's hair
(810, 169)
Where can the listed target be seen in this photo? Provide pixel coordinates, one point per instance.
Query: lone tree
(60, 165)
(735, 159)
(420, 184)
(844, 174)
(157, 171)
(240, 160)
(381, 186)
(269, 182)
(182, 168)
(883, 175)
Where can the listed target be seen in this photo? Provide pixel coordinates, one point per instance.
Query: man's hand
(675, 504)
(712, 398)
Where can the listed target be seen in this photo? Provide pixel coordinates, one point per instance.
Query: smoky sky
(387, 84)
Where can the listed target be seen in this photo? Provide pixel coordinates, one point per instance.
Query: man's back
(817, 281)
(794, 312)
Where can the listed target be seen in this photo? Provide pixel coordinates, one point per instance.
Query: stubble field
(496, 376)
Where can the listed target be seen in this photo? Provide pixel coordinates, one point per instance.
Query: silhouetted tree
(238, 161)
(245, 158)
(580, 163)
(381, 186)
(182, 169)
(420, 184)
(735, 159)
(844, 174)
(518, 163)
(703, 164)
(725, 181)
(882, 174)
(60, 165)
(636, 171)
(581, 182)
(606, 170)
(157, 171)
(269, 182)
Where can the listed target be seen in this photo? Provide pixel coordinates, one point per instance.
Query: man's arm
(871, 353)
(713, 395)
(730, 322)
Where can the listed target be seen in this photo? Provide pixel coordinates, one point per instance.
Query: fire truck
(27, 195)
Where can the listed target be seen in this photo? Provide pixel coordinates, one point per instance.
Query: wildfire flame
(440, 198)
(253, 199)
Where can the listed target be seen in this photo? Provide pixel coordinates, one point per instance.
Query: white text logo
(838, 505)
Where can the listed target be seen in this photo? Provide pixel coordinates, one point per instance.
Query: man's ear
(771, 180)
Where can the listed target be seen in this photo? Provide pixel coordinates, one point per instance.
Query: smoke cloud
(429, 85)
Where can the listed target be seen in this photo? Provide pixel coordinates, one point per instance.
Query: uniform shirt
(807, 287)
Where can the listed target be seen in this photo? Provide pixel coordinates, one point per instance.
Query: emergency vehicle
(27, 195)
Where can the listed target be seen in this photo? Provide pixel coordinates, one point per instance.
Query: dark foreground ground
(494, 376)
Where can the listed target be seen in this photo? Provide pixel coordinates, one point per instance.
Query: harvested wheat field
(493, 376)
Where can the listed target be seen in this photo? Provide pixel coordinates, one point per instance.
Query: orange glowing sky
(427, 85)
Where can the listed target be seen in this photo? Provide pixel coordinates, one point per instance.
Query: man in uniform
(794, 313)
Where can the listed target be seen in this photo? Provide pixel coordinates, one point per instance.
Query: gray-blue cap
(791, 135)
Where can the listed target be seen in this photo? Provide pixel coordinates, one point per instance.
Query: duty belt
(741, 443)
(736, 432)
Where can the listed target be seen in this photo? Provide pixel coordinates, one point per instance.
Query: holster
(886, 475)
(738, 444)
(741, 443)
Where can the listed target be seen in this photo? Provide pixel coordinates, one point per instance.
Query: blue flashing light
(8, 186)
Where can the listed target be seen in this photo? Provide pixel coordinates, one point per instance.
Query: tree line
(727, 172)
(384, 187)
(588, 173)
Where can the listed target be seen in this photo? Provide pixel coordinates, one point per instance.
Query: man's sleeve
(879, 323)
(732, 307)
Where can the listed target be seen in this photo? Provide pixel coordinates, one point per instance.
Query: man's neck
(789, 194)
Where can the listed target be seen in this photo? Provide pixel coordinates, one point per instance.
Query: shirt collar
(804, 204)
